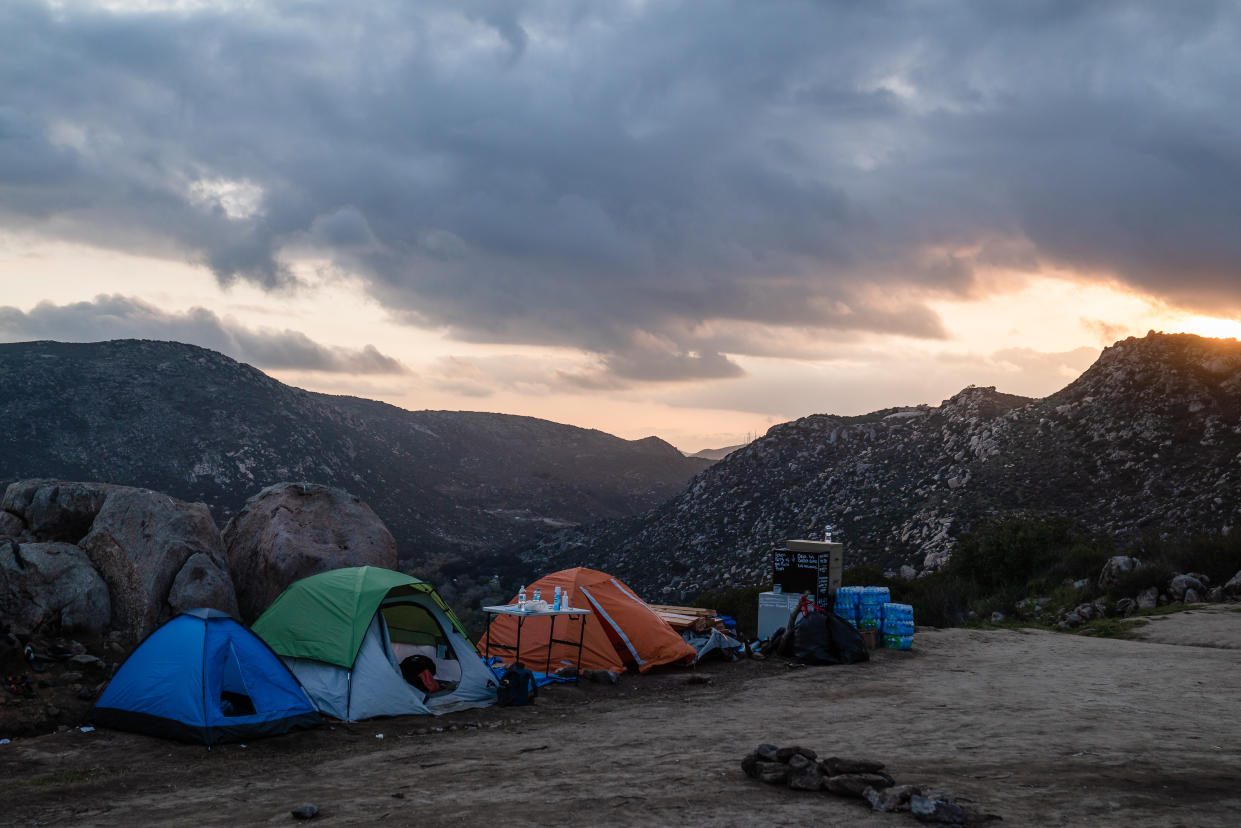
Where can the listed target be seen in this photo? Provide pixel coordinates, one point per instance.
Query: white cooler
(773, 611)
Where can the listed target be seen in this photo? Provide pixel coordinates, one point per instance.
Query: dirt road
(1043, 729)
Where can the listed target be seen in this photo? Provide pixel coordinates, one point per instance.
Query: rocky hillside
(1146, 440)
(201, 427)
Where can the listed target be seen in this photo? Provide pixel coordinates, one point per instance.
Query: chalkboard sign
(798, 572)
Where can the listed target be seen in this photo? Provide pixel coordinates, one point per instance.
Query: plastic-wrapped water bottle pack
(847, 603)
(870, 606)
(897, 626)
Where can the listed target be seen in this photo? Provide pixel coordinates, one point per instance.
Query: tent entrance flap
(235, 699)
(613, 629)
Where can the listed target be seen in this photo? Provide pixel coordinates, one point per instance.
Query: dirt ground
(1041, 728)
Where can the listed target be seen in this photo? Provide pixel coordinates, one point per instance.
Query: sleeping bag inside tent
(366, 642)
(203, 677)
(620, 630)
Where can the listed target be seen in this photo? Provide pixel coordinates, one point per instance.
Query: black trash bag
(824, 638)
(847, 643)
(812, 639)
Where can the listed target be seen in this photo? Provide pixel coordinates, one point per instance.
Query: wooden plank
(698, 611)
(677, 622)
(697, 623)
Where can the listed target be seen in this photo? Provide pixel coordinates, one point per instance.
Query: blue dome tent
(203, 677)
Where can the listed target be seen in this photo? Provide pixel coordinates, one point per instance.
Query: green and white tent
(345, 633)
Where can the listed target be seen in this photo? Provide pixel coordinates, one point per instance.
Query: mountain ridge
(1148, 439)
(202, 427)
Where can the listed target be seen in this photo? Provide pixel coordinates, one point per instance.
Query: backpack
(517, 687)
(419, 670)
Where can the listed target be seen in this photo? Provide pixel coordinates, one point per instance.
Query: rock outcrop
(45, 586)
(139, 541)
(143, 556)
(55, 510)
(11, 526)
(1116, 567)
(292, 530)
(137, 558)
(202, 582)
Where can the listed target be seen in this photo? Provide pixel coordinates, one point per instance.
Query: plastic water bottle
(556, 601)
(564, 599)
(521, 598)
(538, 595)
(827, 533)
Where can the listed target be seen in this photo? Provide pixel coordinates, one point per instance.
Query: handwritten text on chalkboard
(801, 572)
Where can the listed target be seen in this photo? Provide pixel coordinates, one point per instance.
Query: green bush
(1086, 560)
(865, 575)
(1014, 557)
(939, 600)
(1129, 584)
(1216, 556)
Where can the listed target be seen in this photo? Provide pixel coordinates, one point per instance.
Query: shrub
(1129, 584)
(1086, 560)
(939, 600)
(1012, 551)
(1216, 556)
(866, 575)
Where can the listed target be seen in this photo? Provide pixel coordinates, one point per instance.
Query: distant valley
(195, 424)
(716, 454)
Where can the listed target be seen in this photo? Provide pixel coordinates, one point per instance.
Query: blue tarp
(714, 641)
(540, 679)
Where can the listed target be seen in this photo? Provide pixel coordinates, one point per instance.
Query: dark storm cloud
(611, 175)
(120, 317)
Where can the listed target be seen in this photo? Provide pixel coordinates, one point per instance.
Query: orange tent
(620, 630)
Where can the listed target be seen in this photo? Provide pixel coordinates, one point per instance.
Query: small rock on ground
(855, 784)
(892, 799)
(835, 766)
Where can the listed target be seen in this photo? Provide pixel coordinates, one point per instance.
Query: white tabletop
(512, 609)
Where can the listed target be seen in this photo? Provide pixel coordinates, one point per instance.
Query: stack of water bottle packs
(897, 632)
(862, 606)
(871, 608)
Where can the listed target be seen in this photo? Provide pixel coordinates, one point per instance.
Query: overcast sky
(689, 219)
